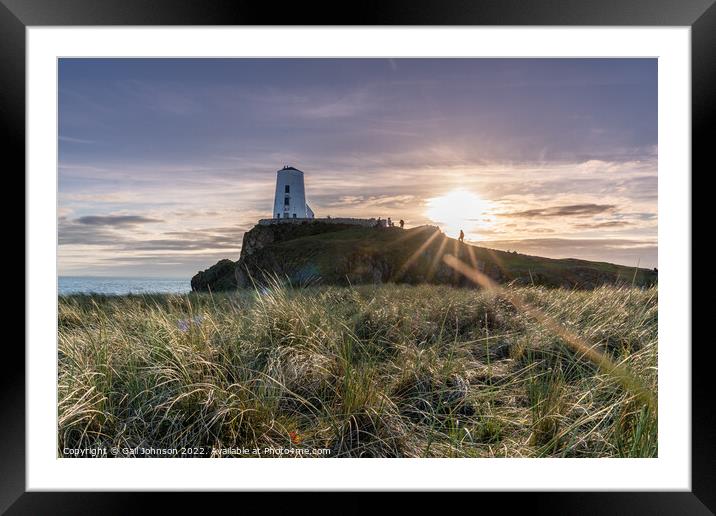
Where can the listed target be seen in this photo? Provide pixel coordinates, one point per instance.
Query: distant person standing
(390, 224)
(461, 238)
(402, 223)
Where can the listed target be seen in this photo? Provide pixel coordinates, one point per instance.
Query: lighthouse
(290, 199)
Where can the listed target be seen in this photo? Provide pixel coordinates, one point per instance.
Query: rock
(258, 238)
(218, 277)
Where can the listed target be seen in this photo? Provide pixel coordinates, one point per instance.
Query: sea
(121, 286)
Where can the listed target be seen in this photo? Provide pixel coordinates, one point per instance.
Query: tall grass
(367, 371)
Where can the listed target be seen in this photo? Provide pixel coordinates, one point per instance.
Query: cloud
(70, 232)
(161, 264)
(606, 224)
(107, 232)
(572, 210)
(70, 139)
(206, 239)
(366, 202)
(340, 108)
(115, 220)
(347, 200)
(197, 243)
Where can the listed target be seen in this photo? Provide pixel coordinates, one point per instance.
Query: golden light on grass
(574, 341)
(365, 371)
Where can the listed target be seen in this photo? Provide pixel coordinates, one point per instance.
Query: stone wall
(368, 223)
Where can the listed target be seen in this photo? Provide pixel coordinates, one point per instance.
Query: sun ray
(471, 253)
(437, 259)
(415, 256)
(577, 343)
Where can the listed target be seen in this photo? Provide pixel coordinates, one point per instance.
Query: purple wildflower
(185, 324)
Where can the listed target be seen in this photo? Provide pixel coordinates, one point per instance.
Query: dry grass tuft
(368, 371)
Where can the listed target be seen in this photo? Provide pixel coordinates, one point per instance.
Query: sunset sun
(460, 210)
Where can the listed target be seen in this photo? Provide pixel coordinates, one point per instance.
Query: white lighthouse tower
(290, 199)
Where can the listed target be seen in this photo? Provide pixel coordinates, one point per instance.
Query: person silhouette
(461, 238)
(402, 223)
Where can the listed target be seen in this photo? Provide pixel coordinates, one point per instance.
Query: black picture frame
(700, 15)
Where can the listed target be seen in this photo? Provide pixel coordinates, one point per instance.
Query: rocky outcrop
(229, 275)
(216, 278)
(258, 238)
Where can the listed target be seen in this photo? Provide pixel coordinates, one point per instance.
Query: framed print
(420, 249)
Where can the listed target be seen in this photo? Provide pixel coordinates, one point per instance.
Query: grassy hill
(320, 253)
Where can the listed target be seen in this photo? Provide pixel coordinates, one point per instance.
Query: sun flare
(460, 210)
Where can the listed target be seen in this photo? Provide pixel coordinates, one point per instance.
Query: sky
(165, 163)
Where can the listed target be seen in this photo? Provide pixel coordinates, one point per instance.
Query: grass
(365, 371)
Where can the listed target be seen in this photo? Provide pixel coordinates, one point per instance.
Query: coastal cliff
(343, 254)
